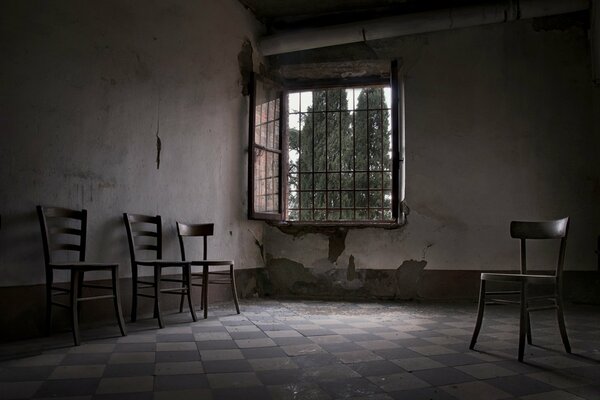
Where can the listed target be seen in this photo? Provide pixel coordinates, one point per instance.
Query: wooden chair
(66, 230)
(142, 229)
(556, 229)
(206, 277)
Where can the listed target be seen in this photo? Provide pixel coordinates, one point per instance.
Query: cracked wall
(124, 107)
(499, 126)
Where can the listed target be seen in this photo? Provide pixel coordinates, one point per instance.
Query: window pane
(306, 182)
(375, 199)
(375, 180)
(333, 180)
(320, 181)
(360, 137)
(319, 99)
(333, 199)
(334, 99)
(347, 180)
(320, 200)
(339, 141)
(294, 102)
(306, 143)
(306, 101)
(361, 180)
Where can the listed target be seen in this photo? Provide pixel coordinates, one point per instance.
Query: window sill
(318, 227)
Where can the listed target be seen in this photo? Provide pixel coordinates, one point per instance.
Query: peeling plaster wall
(87, 89)
(500, 125)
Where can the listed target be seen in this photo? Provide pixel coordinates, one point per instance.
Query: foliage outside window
(340, 155)
(325, 154)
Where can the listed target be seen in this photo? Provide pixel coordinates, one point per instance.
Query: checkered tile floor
(319, 350)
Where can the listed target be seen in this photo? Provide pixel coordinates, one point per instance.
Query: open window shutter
(266, 158)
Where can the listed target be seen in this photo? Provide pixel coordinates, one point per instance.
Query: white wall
(83, 87)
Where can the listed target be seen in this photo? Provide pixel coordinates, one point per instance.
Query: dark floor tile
(453, 360)
(411, 342)
(520, 385)
(346, 388)
(121, 370)
(174, 356)
(71, 387)
(315, 360)
(590, 392)
(180, 382)
(443, 376)
(216, 345)
(361, 337)
(263, 352)
(273, 327)
(341, 347)
(175, 337)
(422, 394)
(131, 347)
(23, 374)
(280, 377)
(85, 359)
(223, 366)
(211, 328)
(375, 368)
(288, 341)
(394, 354)
(249, 393)
(247, 335)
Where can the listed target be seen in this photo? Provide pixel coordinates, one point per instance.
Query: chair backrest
(62, 229)
(554, 229)
(144, 233)
(195, 230)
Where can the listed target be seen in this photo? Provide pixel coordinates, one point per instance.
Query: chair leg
(157, 273)
(234, 289)
(74, 297)
(49, 280)
(529, 338)
(80, 290)
(561, 324)
(205, 289)
(134, 292)
(188, 280)
(480, 309)
(522, 323)
(117, 300)
(184, 276)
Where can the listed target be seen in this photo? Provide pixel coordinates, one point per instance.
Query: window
(325, 154)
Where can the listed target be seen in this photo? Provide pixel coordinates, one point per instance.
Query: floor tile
(126, 385)
(178, 368)
(475, 391)
(399, 381)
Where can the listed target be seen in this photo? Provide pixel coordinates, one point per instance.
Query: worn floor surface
(317, 350)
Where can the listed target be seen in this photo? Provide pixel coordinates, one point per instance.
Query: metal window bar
(374, 212)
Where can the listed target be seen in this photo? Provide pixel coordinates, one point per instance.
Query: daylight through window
(340, 155)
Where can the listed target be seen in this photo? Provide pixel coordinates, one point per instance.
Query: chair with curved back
(65, 230)
(524, 231)
(206, 277)
(142, 229)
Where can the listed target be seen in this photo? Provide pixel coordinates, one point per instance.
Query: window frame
(397, 129)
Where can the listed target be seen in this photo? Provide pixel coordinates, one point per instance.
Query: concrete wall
(86, 88)
(499, 126)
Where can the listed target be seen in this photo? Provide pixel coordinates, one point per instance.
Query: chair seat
(162, 263)
(84, 266)
(211, 262)
(488, 276)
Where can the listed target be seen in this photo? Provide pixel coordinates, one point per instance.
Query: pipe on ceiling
(410, 24)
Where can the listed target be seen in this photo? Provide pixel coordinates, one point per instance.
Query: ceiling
(292, 14)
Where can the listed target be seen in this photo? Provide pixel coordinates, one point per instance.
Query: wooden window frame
(396, 111)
